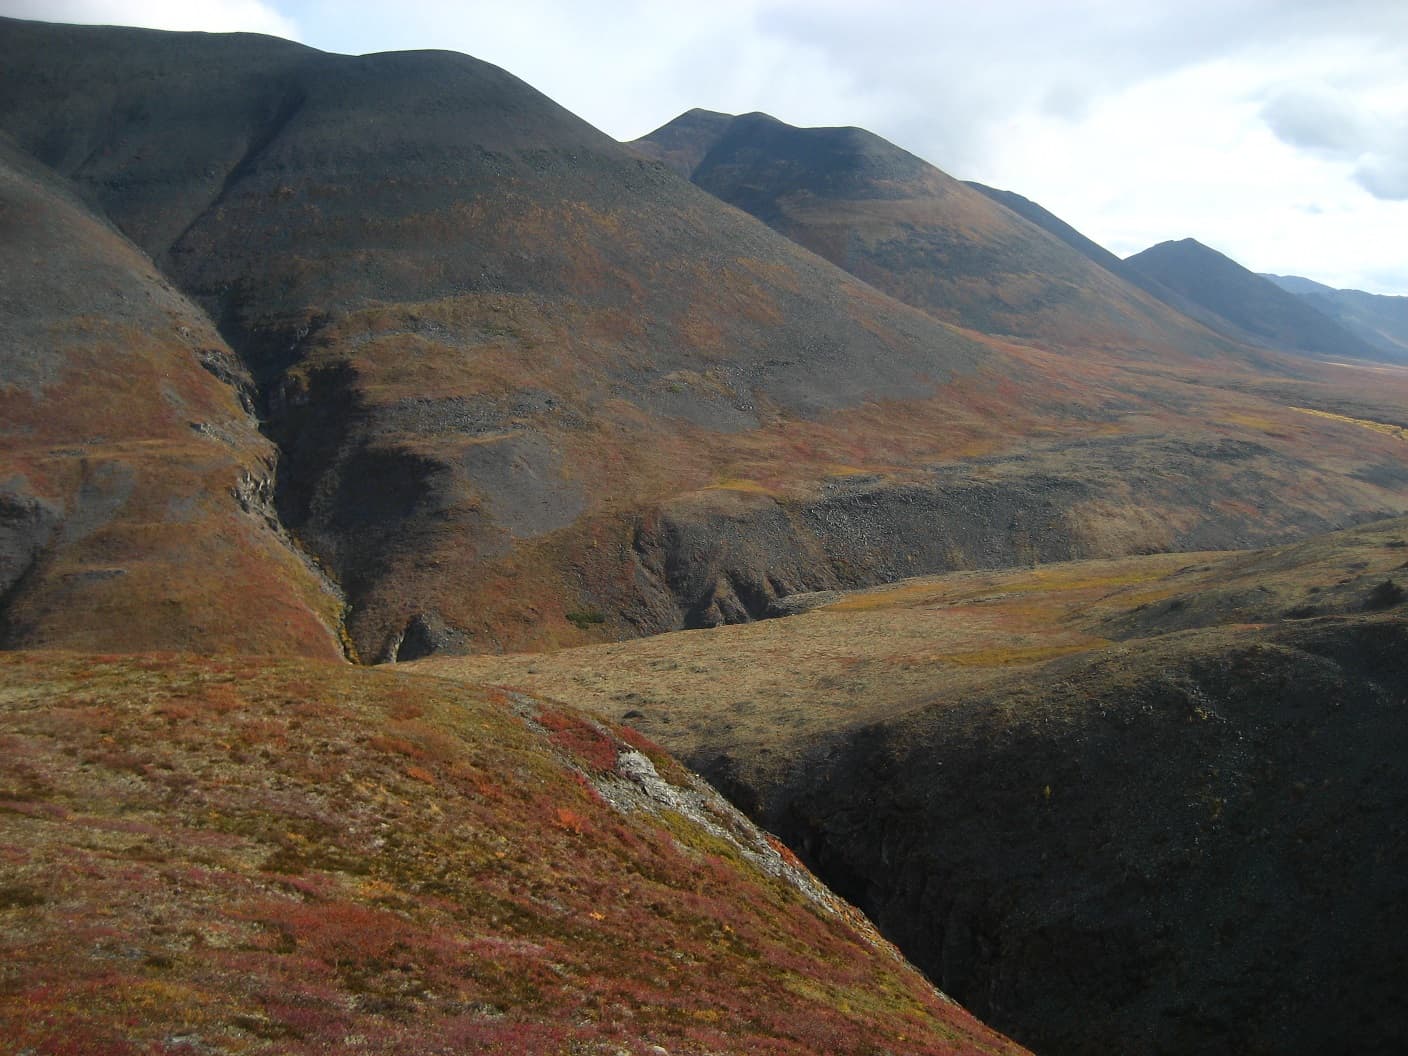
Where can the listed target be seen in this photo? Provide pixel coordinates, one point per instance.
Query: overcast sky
(1275, 131)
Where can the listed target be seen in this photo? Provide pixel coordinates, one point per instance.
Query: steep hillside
(134, 486)
(1250, 304)
(1153, 805)
(1381, 321)
(923, 237)
(302, 858)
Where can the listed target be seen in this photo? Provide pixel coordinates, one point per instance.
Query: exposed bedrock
(729, 556)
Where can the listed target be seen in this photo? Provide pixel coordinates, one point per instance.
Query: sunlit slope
(135, 489)
(302, 858)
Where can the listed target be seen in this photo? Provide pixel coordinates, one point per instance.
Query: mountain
(484, 335)
(1151, 805)
(522, 382)
(1381, 321)
(913, 231)
(1249, 303)
(1054, 225)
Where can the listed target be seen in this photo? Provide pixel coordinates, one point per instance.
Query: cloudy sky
(1273, 130)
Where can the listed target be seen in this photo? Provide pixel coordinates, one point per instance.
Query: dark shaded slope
(134, 487)
(1380, 320)
(914, 232)
(1248, 302)
(1189, 846)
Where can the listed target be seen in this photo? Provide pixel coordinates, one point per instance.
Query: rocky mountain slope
(1379, 320)
(135, 487)
(1152, 806)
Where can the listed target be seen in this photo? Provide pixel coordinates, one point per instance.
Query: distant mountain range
(1249, 304)
(1379, 320)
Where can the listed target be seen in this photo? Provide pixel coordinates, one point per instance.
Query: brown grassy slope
(121, 454)
(300, 858)
(761, 693)
(1148, 805)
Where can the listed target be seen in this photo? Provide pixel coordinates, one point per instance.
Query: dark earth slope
(1248, 302)
(135, 490)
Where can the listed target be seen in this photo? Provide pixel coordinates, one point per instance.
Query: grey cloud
(952, 73)
(1384, 177)
(1336, 126)
(1320, 122)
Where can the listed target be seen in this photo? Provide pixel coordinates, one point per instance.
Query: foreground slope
(1152, 806)
(134, 486)
(293, 857)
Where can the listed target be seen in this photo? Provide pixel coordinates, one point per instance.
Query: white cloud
(216, 16)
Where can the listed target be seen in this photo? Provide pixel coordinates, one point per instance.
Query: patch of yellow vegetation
(1387, 428)
(1253, 421)
(1078, 576)
(1023, 654)
(738, 484)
